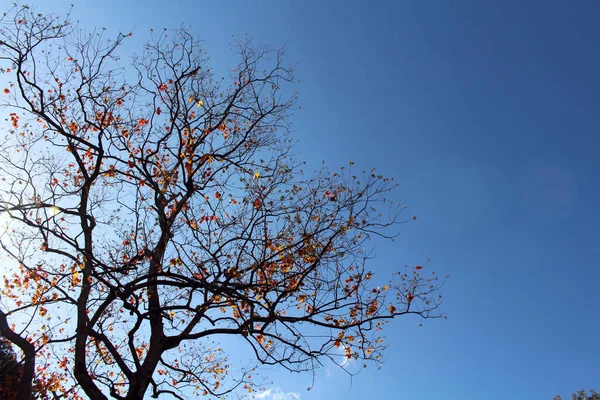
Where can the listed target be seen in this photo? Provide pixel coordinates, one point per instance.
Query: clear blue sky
(488, 114)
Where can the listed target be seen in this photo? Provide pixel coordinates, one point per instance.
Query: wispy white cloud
(277, 394)
(263, 395)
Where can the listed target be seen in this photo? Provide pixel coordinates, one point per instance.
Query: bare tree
(156, 209)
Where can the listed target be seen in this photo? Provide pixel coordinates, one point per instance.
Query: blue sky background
(487, 113)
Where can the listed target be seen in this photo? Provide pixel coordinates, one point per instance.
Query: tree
(9, 370)
(15, 381)
(156, 209)
(17, 378)
(582, 395)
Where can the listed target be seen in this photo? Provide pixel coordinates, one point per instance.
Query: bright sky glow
(487, 114)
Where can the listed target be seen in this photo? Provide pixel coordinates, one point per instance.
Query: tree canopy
(156, 210)
(582, 395)
(9, 369)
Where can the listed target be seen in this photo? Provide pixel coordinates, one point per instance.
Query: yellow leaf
(256, 175)
(199, 103)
